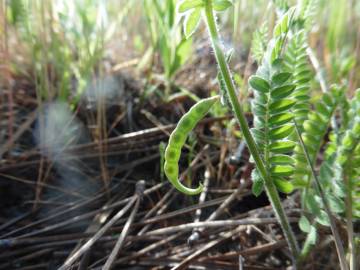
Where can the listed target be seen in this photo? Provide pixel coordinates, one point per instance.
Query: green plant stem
(230, 88)
(338, 243)
(167, 88)
(349, 224)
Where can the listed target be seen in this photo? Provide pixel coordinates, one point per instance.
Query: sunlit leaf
(191, 22)
(283, 185)
(221, 5)
(304, 224)
(190, 4)
(259, 84)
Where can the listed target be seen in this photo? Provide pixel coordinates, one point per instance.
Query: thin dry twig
(96, 237)
(139, 193)
(214, 224)
(223, 237)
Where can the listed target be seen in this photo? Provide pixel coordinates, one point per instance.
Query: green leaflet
(177, 140)
(192, 9)
(281, 105)
(190, 4)
(310, 241)
(259, 84)
(282, 170)
(192, 21)
(280, 118)
(282, 27)
(282, 147)
(281, 77)
(281, 132)
(221, 5)
(281, 159)
(258, 183)
(282, 91)
(304, 224)
(314, 130)
(283, 185)
(182, 52)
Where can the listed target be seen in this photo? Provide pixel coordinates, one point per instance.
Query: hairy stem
(230, 88)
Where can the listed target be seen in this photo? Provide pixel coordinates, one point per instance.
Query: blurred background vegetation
(61, 45)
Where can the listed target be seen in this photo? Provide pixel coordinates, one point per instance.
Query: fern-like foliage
(259, 43)
(281, 6)
(315, 128)
(272, 116)
(348, 157)
(272, 122)
(307, 13)
(296, 60)
(334, 192)
(339, 174)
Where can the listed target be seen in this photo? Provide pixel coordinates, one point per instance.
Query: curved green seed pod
(177, 140)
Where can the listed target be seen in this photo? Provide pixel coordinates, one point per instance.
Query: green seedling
(167, 39)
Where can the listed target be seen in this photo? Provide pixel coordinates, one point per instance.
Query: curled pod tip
(177, 140)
